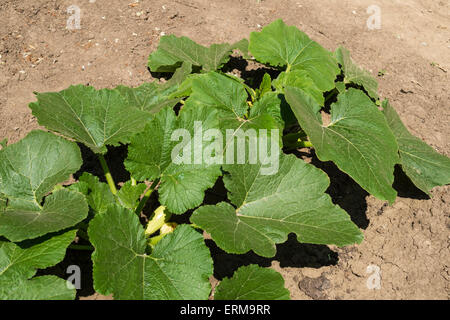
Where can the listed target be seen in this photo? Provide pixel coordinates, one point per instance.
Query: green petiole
(108, 176)
(146, 196)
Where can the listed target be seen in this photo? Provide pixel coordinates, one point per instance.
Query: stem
(81, 247)
(108, 176)
(143, 201)
(133, 181)
(145, 198)
(288, 68)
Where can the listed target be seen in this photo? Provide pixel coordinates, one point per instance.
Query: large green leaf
(149, 97)
(242, 47)
(98, 194)
(153, 97)
(229, 98)
(269, 207)
(18, 264)
(358, 139)
(422, 164)
(3, 202)
(172, 51)
(299, 79)
(252, 283)
(150, 157)
(93, 117)
(246, 136)
(281, 45)
(237, 123)
(29, 169)
(354, 74)
(218, 91)
(129, 194)
(178, 268)
(269, 103)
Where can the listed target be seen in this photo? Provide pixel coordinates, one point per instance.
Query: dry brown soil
(408, 241)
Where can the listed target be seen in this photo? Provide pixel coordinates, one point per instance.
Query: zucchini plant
(240, 130)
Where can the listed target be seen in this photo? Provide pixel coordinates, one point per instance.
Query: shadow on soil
(405, 188)
(289, 254)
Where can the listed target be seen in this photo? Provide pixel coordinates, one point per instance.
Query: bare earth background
(409, 241)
